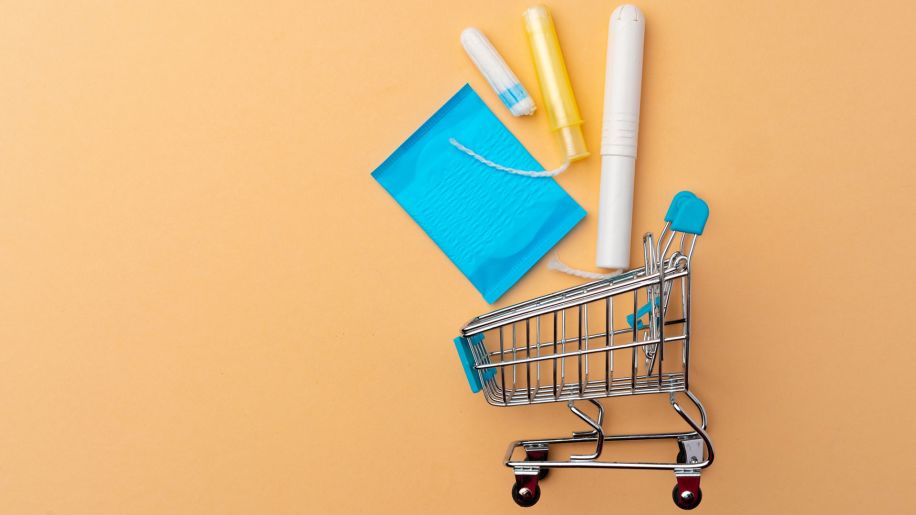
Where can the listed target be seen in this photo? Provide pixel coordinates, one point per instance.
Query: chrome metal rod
(594, 336)
(571, 300)
(596, 427)
(698, 430)
(574, 353)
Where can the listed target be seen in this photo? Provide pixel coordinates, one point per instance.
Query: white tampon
(623, 81)
(497, 72)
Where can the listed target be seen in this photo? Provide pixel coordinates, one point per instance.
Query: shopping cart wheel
(524, 496)
(687, 500)
(542, 473)
(538, 455)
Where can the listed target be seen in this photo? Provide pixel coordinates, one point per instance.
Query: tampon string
(496, 166)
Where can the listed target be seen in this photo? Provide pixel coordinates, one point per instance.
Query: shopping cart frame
(686, 216)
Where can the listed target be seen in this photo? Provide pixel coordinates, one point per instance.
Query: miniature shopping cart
(625, 335)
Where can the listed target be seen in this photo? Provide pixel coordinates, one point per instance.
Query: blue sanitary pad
(493, 225)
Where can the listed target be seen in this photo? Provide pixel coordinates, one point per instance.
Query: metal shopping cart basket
(626, 335)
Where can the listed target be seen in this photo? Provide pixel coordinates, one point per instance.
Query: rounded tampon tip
(627, 12)
(536, 19)
(523, 107)
(537, 11)
(470, 35)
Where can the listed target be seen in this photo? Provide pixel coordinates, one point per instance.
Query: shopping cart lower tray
(625, 335)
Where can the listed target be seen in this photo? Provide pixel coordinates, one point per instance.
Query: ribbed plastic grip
(691, 217)
(467, 361)
(676, 203)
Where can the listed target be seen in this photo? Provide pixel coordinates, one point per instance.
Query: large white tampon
(494, 68)
(623, 81)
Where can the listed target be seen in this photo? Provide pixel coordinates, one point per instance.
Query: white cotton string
(556, 264)
(527, 173)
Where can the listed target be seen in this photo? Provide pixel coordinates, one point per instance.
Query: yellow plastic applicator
(559, 101)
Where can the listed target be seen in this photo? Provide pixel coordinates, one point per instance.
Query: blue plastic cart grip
(643, 311)
(467, 361)
(676, 204)
(691, 217)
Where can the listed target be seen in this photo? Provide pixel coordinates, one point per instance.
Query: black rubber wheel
(689, 502)
(682, 456)
(542, 473)
(528, 500)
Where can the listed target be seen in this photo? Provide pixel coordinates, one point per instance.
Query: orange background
(210, 307)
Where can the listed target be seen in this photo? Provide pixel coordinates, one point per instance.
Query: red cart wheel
(686, 500)
(524, 496)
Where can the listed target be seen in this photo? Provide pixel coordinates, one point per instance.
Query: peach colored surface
(209, 306)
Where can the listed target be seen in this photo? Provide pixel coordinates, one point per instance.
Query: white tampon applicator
(623, 81)
(494, 68)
